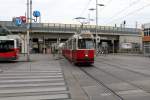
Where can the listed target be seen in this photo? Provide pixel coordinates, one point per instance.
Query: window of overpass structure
(57, 25)
(93, 26)
(126, 29)
(110, 28)
(62, 25)
(115, 28)
(73, 26)
(107, 28)
(119, 28)
(78, 26)
(46, 25)
(68, 26)
(102, 27)
(51, 25)
(88, 26)
(84, 26)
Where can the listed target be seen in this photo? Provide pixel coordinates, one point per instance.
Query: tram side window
(74, 44)
(70, 44)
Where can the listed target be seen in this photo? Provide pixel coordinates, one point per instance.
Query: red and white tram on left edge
(9, 48)
(79, 49)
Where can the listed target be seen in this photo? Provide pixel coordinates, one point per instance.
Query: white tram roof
(83, 34)
(6, 38)
(86, 34)
(10, 37)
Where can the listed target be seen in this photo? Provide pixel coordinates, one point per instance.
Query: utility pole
(28, 27)
(30, 15)
(29, 22)
(96, 35)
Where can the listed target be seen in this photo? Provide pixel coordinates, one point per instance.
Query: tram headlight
(86, 55)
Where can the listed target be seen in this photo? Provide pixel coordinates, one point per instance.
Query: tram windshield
(85, 44)
(6, 45)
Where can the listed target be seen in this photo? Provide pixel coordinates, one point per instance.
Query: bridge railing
(57, 27)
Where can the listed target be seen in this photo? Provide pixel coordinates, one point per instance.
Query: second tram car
(9, 49)
(79, 49)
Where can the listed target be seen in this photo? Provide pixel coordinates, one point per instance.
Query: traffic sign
(36, 14)
(18, 21)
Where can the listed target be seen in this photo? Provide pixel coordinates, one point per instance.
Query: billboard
(126, 45)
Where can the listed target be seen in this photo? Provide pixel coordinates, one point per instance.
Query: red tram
(9, 49)
(80, 48)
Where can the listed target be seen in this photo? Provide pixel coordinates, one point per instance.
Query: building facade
(146, 38)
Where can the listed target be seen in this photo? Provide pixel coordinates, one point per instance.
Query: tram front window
(85, 44)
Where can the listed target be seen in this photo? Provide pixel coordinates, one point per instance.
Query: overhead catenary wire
(124, 9)
(133, 12)
(108, 2)
(86, 7)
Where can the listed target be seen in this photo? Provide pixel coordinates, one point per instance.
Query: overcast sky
(64, 11)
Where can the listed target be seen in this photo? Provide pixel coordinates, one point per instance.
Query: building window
(145, 33)
(148, 32)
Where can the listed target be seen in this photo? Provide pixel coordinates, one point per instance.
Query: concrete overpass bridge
(44, 34)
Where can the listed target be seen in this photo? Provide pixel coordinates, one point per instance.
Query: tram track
(119, 92)
(133, 84)
(122, 68)
(101, 83)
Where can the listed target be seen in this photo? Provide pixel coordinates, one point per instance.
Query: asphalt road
(111, 77)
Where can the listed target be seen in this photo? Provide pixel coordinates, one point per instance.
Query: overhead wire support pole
(28, 31)
(30, 27)
(96, 29)
(96, 35)
(30, 16)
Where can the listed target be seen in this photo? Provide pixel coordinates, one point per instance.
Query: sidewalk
(42, 78)
(38, 62)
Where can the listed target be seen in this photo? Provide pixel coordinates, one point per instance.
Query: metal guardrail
(68, 28)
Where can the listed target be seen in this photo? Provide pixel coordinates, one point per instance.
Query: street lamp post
(96, 47)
